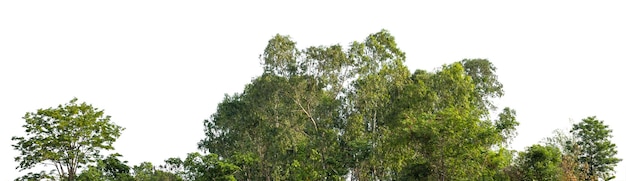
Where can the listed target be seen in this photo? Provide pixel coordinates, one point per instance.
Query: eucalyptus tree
(283, 123)
(324, 112)
(379, 77)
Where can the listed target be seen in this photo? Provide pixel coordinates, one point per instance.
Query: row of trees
(335, 113)
(585, 153)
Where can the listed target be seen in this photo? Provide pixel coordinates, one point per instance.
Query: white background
(159, 68)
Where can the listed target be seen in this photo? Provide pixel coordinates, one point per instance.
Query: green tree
(486, 84)
(443, 122)
(69, 136)
(92, 173)
(207, 167)
(570, 166)
(506, 124)
(323, 112)
(284, 124)
(145, 171)
(541, 163)
(379, 77)
(597, 150)
(198, 167)
(108, 169)
(173, 165)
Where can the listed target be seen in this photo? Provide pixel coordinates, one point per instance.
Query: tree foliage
(108, 169)
(146, 171)
(597, 152)
(198, 167)
(541, 163)
(335, 113)
(69, 137)
(329, 113)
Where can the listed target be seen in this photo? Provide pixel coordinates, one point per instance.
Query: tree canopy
(327, 112)
(597, 151)
(334, 113)
(69, 137)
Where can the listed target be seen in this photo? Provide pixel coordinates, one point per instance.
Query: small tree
(145, 171)
(541, 163)
(198, 167)
(597, 150)
(68, 137)
(108, 169)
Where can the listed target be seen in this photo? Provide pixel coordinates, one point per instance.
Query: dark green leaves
(486, 82)
(598, 152)
(322, 112)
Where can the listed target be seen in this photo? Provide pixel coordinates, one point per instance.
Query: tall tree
(68, 137)
(379, 76)
(285, 121)
(325, 113)
(598, 152)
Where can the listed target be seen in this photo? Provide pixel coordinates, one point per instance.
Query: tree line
(334, 113)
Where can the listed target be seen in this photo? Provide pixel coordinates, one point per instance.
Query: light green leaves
(68, 136)
(280, 56)
(506, 124)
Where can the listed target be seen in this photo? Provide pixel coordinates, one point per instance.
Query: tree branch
(307, 114)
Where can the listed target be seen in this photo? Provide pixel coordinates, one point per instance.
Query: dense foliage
(349, 113)
(68, 137)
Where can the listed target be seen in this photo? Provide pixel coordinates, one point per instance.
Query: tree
(92, 173)
(69, 137)
(444, 121)
(325, 113)
(108, 169)
(376, 74)
(199, 167)
(506, 123)
(283, 125)
(145, 171)
(541, 163)
(597, 150)
(486, 83)
(570, 167)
